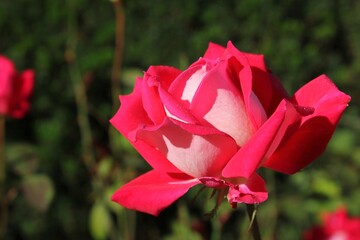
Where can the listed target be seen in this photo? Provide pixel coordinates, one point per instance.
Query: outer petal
(305, 141)
(265, 85)
(7, 73)
(248, 159)
(166, 93)
(214, 51)
(131, 112)
(153, 191)
(155, 77)
(253, 191)
(131, 117)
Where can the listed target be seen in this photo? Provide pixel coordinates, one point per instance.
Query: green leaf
(38, 190)
(100, 221)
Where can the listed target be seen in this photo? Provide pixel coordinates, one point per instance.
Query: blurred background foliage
(64, 160)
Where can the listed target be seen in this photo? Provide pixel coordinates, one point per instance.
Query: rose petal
(131, 117)
(187, 83)
(194, 154)
(305, 141)
(7, 72)
(268, 89)
(7, 69)
(163, 75)
(155, 77)
(220, 103)
(153, 191)
(256, 61)
(265, 85)
(175, 108)
(248, 159)
(131, 114)
(15, 89)
(254, 109)
(185, 86)
(212, 182)
(253, 191)
(214, 51)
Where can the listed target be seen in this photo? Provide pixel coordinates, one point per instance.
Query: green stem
(254, 227)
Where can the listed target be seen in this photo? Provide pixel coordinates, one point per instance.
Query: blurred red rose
(335, 226)
(15, 89)
(217, 123)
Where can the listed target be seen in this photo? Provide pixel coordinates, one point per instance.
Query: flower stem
(254, 227)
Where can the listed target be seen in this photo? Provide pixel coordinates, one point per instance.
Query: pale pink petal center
(197, 155)
(339, 235)
(193, 83)
(228, 114)
(169, 114)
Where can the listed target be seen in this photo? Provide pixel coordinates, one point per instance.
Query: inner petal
(219, 102)
(194, 150)
(228, 114)
(186, 84)
(193, 83)
(197, 155)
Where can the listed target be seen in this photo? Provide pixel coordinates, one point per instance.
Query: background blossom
(15, 89)
(335, 226)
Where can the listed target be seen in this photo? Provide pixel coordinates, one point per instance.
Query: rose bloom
(335, 226)
(15, 89)
(217, 123)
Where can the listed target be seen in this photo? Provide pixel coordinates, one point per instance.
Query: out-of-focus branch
(2, 157)
(126, 218)
(118, 52)
(116, 70)
(2, 178)
(78, 87)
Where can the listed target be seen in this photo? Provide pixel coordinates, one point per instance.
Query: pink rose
(15, 89)
(335, 226)
(217, 123)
